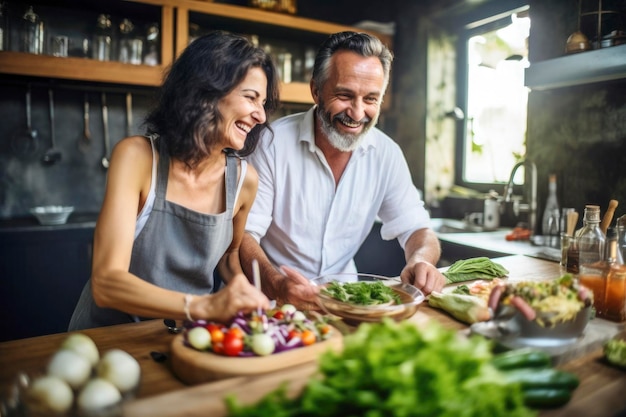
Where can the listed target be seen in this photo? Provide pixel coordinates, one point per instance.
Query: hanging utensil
(129, 113)
(52, 155)
(25, 142)
(84, 143)
(105, 125)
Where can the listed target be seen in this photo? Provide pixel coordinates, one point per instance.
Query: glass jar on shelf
(4, 27)
(131, 45)
(103, 38)
(153, 45)
(32, 34)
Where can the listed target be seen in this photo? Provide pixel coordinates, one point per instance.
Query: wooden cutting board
(194, 367)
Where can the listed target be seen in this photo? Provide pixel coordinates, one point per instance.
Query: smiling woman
(177, 198)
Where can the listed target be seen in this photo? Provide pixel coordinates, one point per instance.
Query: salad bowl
(407, 298)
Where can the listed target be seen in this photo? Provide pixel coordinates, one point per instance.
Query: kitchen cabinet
(606, 64)
(86, 69)
(44, 269)
(175, 18)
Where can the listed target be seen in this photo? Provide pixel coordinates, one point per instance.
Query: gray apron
(177, 249)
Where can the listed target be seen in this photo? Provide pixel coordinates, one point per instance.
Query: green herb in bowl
(362, 293)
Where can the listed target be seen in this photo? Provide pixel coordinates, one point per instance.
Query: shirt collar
(307, 132)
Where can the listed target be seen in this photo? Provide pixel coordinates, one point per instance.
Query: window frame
(485, 20)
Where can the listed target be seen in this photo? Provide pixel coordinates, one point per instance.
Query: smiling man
(327, 174)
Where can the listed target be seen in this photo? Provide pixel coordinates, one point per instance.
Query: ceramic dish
(52, 215)
(515, 331)
(410, 296)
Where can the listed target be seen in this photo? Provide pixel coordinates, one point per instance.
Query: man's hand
(424, 276)
(294, 288)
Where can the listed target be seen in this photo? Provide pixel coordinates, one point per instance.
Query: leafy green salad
(397, 369)
(363, 293)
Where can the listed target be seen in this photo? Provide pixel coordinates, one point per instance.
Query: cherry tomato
(279, 315)
(235, 331)
(233, 345)
(218, 348)
(308, 337)
(324, 329)
(217, 335)
(212, 326)
(293, 333)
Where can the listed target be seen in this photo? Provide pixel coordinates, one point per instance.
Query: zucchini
(546, 397)
(522, 358)
(531, 378)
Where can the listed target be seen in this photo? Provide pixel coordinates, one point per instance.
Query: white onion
(70, 367)
(49, 394)
(199, 338)
(119, 368)
(98, 394)
(83, 345)
(263, 344)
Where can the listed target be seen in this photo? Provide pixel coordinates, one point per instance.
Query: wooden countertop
(601, 392)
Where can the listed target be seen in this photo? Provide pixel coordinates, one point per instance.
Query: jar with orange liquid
(615, 290)
(607, 280)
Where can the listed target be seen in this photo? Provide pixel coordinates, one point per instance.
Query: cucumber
(546, 397)
(522, 358)
(535, 378)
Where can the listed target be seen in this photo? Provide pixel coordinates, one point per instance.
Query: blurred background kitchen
(477, 88)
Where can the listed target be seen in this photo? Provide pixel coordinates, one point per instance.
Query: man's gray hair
(361, 43)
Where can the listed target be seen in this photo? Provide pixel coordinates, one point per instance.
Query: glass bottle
(4, 28)
(615, 279)
(621, 235)
(103, 38)
(591, 240)
(130, 46)
(590, 243)
(32, 32)
(550, 223)
(153, 45)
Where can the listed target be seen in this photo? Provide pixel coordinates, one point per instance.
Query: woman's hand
(238, 295)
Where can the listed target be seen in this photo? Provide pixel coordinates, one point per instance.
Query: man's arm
(422, 252)
(250, 250)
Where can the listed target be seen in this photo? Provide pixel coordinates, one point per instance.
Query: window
(492, 56)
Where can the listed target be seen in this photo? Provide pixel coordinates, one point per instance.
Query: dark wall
(78, 178)
(577, 132)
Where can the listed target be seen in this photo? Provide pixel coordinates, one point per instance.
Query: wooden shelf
(607, 64)
(174, 38)
(82, 69)
(284, 20)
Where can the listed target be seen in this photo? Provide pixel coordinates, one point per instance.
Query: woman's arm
(230, 264)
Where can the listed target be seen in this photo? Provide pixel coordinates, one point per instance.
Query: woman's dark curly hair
(186, 116)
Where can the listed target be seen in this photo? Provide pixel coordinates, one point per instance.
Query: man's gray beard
(344, 142)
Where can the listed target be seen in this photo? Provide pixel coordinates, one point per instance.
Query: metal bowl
(352, 313)
(52, 215)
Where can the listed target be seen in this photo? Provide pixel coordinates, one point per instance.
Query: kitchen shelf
(266, 22)
(606, 64)
(175, 21)
(80, 69)
(85, 69)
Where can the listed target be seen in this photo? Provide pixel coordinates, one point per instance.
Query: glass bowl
(52, 215)
(410, 296)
